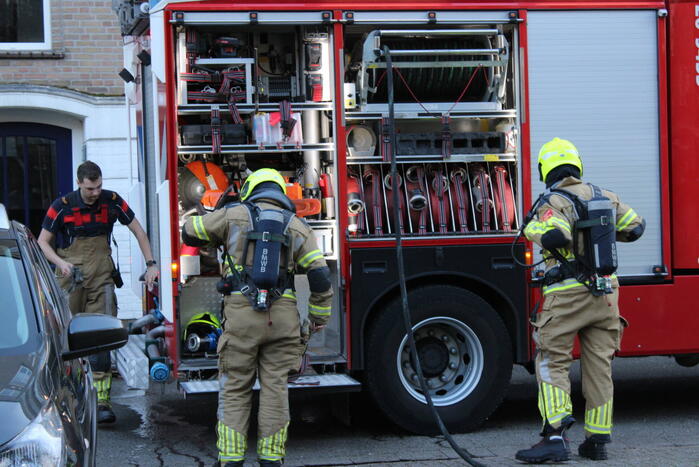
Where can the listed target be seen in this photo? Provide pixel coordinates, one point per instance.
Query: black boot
(105, 414)
(552, 447)
(229, 464)
(595, 447)
(266, 463)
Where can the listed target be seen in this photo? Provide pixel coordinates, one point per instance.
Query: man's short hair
(89, 170)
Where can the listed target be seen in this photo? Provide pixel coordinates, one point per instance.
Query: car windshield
(18, 321)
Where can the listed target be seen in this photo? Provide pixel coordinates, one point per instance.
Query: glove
(553, 239)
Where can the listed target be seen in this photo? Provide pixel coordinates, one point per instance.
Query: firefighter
(577, 301)
(81, 225)
(261, 335)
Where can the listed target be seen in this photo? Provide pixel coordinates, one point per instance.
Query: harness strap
(385, 140)
(440, 190)
(500, 182)
(191, 43)
(485, 201)
(422, 222)
(373, 175)
(287, 123)
(461, 203)
(447, 144)
(215, 131)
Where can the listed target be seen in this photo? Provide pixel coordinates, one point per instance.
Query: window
(18, 329)
(25, 25)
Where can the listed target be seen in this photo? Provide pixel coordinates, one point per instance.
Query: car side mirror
(90, 333)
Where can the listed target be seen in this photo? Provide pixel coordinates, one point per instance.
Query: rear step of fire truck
(325, 383)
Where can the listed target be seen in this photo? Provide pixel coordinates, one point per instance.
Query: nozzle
(417, 201)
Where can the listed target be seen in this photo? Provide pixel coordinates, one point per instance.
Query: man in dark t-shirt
(75, 236)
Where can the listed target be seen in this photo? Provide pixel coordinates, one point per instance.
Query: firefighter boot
(594, 447)
(105, 414)
(229, 464)
(552, 447)
(268, 463)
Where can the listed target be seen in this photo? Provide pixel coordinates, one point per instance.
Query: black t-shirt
(69, 216)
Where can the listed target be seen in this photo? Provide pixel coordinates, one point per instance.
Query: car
(47, 400)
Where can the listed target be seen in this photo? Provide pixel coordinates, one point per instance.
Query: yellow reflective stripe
(288, 293)
(273, 447)
(554, 403)
(231, 444)
(199, 229)
(628, 218)
(319, 310)
(599, 419)
(309, 257)
(563, 224)
(562, 285)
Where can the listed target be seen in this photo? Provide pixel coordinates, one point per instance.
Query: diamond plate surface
(132, 363)
(337, 381)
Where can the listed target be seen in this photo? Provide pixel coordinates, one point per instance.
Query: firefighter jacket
(229, 227)
(558, 212)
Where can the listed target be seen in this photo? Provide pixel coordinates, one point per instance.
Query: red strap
(461, 203)
(442, 211)
(422, 224)
(485, 201)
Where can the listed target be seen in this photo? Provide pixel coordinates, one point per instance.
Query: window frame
(30, 46)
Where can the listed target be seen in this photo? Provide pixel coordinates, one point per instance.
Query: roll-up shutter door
(593, 79)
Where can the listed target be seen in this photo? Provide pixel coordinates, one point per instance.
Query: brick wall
(86, 51)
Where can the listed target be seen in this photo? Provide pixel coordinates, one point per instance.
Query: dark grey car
(47, 400)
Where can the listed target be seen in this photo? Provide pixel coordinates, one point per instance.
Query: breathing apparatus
(264, 281)
(595, 223)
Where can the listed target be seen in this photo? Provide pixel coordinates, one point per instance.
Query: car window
(54, 290)
(19, 328)
(46, 285)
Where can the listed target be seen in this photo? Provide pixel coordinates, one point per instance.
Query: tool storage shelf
(431, 158)
(205, 109)
(432, 114)
(255, 149)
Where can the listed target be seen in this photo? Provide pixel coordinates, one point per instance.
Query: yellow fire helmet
(555, 153)
(261, 176)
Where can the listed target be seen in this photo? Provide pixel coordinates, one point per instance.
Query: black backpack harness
(596, 220)
(265, 281)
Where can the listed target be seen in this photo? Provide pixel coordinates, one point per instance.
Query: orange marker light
(528, 257)
(174, 267)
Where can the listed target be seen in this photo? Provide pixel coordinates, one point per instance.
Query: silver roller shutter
(593, 80)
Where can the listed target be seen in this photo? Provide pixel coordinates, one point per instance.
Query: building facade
(62, 102)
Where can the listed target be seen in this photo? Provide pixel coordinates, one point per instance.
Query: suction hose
(159, 371)
(465, 455)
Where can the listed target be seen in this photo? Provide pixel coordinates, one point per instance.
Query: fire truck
(222, 88)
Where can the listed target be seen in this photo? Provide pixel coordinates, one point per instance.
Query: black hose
(464, 454)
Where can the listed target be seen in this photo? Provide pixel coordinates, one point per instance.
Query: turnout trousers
(266, 344)
(95, 294)
(599, 327)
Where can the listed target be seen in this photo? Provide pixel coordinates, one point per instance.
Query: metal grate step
(326, 383)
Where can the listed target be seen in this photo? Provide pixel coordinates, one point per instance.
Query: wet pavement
(656, 417)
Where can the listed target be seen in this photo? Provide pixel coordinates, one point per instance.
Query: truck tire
(465, 352)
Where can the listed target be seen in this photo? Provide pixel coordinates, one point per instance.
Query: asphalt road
(656, 424)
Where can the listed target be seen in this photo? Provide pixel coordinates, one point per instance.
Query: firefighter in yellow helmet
(264, 245)
(580, 298)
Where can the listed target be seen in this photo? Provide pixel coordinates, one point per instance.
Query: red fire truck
(222, 88)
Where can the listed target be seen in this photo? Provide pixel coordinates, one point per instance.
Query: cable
(465, 455)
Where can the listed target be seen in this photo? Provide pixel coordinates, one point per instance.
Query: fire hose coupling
(354, 204)
(159, 372)
(417, 201)
(388, 182)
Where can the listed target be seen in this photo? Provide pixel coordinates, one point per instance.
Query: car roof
(8, 228)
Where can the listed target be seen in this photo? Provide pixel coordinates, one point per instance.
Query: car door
(76, 394)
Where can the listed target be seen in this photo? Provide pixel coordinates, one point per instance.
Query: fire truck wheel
(465, 354)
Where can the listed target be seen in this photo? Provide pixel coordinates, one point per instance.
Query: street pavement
(656, 424)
